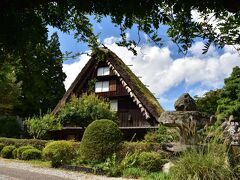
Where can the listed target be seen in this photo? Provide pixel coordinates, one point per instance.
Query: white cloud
(162, 73)
(72, 70)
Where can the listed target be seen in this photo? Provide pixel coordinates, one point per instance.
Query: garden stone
(185, 103)
(186, 119)
(166, 167)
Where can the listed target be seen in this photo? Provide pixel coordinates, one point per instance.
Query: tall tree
(42, 77)
(229, 102)
(208, 102)
(9, 88)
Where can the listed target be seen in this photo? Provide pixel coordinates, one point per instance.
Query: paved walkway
(22, 171)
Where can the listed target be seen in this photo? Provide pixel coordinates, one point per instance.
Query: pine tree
(42, 77)
(229, 102)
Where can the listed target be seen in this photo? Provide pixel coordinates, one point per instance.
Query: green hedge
(31, 154)
(39, 144)
(1, 146)
(132, 147)
(59, 152)
(21, 149)
(14, 153)
(7, 152)
(151, 161)
(100, 140)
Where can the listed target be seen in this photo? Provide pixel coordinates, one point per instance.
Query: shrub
(162, 135)
(38, 127)
(100, 140)
(199, 165)
(134, 172)
(111, 166)
(9, 127)
(86, 109)
(59, 152)
(14, 153)
(39, 144)
(7, 152)
(130, 160)
(30, 154)
(1, 146)
(132, 147)
(151, 161)
(22, 149)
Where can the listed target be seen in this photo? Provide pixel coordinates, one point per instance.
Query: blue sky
(168, 73)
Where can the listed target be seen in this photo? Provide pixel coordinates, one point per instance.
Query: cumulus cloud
(158, 70)
(161, 72)
(73, 69)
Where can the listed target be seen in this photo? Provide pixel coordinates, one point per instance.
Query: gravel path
(22, 171)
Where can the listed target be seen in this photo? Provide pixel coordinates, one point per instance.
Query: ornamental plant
(100, 140)
(84, 110)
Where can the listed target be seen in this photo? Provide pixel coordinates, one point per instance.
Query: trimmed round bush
(31, 154)
(151, 161)
(1, 146)
(22, 149)
(7, 152)
(59, 152)
(100, 140)
(14, 153)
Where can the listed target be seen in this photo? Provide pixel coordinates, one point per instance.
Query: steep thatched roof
(137, 87)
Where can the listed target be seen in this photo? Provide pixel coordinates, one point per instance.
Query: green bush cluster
(59, 152)
(39, 144)
(151, 161)
(1, 146)
(38, 127)
(100, 140)
(84, 110)
(162, 135)
(132, 147)
(21, 149)
(7, 152)
(30, 154)
(14, 153)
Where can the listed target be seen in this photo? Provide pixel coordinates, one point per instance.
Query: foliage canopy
(29, 20)
(38, 127)
(84, 110)
(208, 103)
(229, 102)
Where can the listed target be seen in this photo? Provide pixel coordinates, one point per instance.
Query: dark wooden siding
(129, 115)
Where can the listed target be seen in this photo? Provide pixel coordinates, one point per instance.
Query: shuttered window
(113, 85)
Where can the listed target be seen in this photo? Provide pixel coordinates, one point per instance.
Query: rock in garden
(185, 103)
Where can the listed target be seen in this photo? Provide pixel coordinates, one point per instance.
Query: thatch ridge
(142, 92)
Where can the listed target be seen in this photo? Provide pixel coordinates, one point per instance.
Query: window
(103, 71)
(102, 86)
(114, 104)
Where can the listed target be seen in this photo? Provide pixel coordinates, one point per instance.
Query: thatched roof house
(136, 106)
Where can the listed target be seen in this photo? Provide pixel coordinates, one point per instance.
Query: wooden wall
(129, 115)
